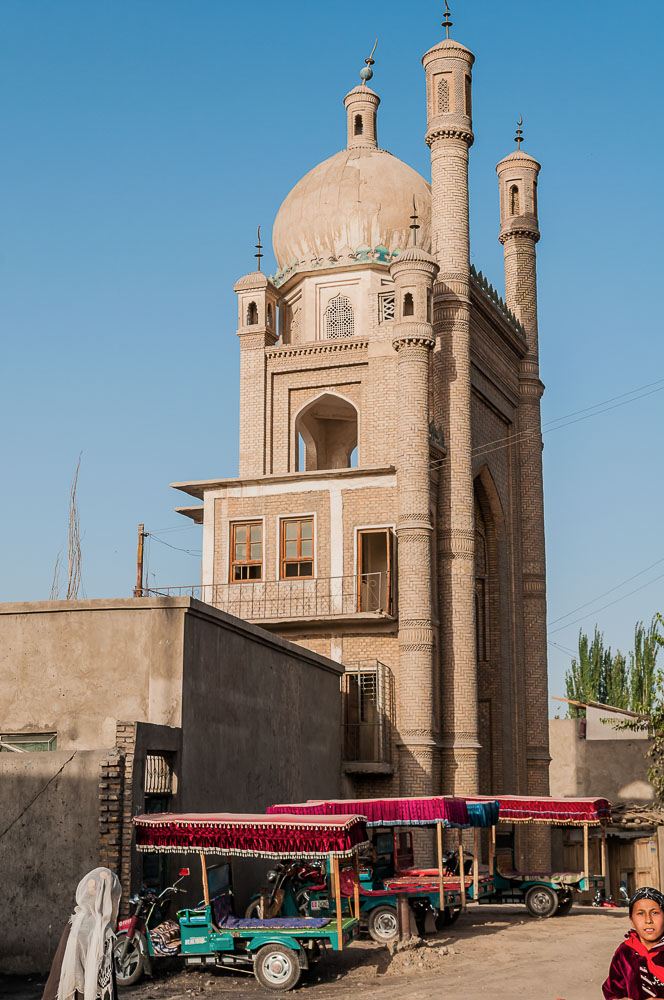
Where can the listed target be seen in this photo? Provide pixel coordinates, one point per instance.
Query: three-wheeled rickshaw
(548, 893)
(277, 949)
(390, 881)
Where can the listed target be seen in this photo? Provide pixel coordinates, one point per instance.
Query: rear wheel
(127, 959)
(565, 903)
(254, 909)
(277, 968)
(447, 917)
(541, 901)
(383, 926)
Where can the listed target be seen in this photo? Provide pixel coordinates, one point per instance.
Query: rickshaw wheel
(277, 967)
(383, 926)
(131, 970)
(253, 910)
(565, 903)
(541, 901)
(447, 917)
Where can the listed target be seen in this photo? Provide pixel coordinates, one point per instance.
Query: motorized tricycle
(276, 949)
(147, 933)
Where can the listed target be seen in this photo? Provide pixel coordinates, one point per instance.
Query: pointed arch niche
(493, 688)
(326, 434)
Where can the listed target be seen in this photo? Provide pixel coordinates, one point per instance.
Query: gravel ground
(494, 951)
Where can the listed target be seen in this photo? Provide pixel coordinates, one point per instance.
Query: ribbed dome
(361, 197)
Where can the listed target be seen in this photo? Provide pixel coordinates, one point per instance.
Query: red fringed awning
(421, 811)
(560, 812)
(255, 836)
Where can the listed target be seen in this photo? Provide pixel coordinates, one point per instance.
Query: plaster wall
(579, 767)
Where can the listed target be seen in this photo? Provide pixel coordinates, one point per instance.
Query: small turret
(361, 110)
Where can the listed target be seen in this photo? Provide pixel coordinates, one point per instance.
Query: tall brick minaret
(448, 68)
(519, 234)
(414, 272)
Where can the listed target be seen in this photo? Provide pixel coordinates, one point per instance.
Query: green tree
(642, 665)
(586, 680)
(617, 683)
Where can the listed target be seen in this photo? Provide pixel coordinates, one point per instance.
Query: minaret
(519, 233)
(361, 110)
(257, 329)
(414, 272)
(449, 135)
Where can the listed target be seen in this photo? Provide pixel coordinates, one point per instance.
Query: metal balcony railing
(367, 711)
(318, 598)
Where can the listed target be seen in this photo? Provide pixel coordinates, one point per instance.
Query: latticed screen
(158, 774)
(297, 548)
(443, 96)
(339, 319)
(247, 551)
(386, 307)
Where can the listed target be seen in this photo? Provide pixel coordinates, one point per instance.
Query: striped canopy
(420, 811)
(556, 812)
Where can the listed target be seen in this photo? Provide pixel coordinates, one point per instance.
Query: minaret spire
(415, 224)
(447, 21)
(519, 133)
(259, 247)
(367, 72)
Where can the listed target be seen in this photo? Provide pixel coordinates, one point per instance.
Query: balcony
(368, 712)
(280, 600)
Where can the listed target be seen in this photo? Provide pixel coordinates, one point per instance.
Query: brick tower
(449, 135)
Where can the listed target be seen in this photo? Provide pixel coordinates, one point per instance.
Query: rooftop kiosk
(276, 949)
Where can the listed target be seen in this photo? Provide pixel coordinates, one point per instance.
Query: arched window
(481, 587)
(514, 200)
(359, 127)
(468, 96)
(408, 305)
(339, 319)
(443, 96)
(269, 315)
(326, 434)
(252, 314)
(534, 197)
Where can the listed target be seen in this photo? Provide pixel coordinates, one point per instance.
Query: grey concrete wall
(78, 666)
(614, 769)
(46, 851)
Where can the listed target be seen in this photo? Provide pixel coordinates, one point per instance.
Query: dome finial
(367, 72)
(447, 23)
(519, 133)
(259, 247)
(415, 224)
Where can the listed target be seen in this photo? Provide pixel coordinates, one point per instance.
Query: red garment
(636, 972)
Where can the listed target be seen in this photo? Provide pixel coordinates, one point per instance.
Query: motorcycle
(287, 892)
(132, 955)
(604, 902)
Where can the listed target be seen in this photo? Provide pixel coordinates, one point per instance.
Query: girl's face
(648, 921)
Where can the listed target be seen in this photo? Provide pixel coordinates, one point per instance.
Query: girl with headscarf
(637, 968)
(83, 965)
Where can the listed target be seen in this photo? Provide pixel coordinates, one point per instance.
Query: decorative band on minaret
(414, 272)
(519, 234)
(448, 68)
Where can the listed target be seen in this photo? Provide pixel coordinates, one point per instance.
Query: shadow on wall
(53, 840)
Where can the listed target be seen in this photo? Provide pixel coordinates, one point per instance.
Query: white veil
(92, 925)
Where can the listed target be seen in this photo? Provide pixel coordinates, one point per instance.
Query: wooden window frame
(283, 561)
(233, 562)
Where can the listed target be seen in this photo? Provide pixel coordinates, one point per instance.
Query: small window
(386, 307)
(429, 305)
(252, 314)
(28, 742)
(270, 322)
(514, 200)
(534, 197)
(339, 318)
(408, 305)
(297, 547)
(443, 96)
(246, 551)
(468, 95)
(359, 127)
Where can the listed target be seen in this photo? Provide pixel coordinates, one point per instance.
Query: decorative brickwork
(111, 788)
(125, 740)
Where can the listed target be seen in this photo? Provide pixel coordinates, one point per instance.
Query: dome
(361, 197)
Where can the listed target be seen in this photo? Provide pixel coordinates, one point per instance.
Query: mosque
(388, 511)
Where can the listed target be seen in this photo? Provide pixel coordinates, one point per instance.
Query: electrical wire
(609, 605)
(190, 552)
(607, 592)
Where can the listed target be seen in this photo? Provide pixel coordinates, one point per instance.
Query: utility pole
(138, 589)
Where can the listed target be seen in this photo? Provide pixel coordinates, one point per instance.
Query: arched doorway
(326, 434)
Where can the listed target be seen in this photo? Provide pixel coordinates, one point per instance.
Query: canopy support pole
(476, 866)
(605, 866)
(356, 884)
(586, 865)
(441, 880)
(462, 871)
(337, 900)
(206, 887)
(492, 850)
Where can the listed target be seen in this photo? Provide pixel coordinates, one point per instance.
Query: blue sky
(144, 140)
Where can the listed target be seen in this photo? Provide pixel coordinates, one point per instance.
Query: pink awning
(559, 812)
(419, 811)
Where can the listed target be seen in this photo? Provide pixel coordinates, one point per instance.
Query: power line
(607, 592)
(609, 605)
(190, 552)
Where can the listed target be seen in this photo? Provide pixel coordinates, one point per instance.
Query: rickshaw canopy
(251, 835)
(412, 811)
(553, 812)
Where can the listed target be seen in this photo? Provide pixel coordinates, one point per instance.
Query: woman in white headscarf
(83, 965)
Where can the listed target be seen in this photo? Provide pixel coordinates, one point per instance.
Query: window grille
(386, 307)
(339, 319)
(443, 96)
(27, 742)
(158, 774)
(367, 711)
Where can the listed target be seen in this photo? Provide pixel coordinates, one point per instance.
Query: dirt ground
(496, 952)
